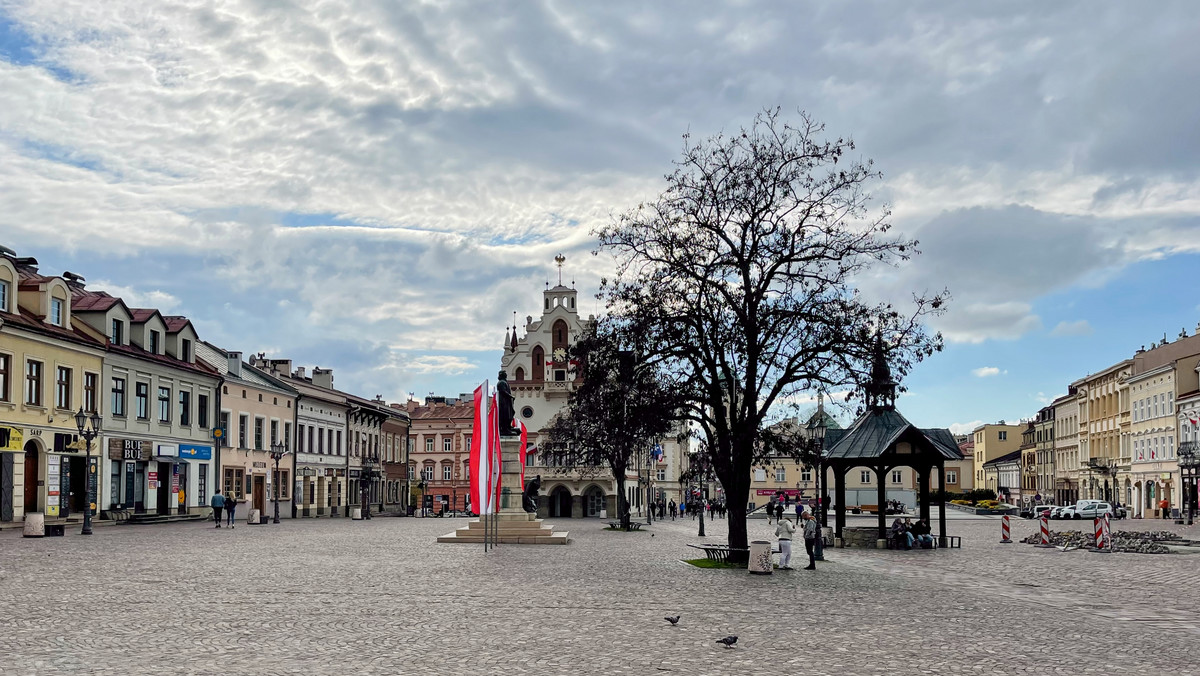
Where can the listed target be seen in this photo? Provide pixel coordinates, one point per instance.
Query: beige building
(991, 442)
(50, 367)
(1103, 427)
(257, 412)
(1066, 448)
(1045, 460)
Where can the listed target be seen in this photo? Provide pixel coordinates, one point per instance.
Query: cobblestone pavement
(380, 597)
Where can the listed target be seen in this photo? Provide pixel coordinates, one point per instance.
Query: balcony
(558, 388)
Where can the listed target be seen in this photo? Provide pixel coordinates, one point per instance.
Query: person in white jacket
(784, 531)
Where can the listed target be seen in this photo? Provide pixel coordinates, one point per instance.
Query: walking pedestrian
(770, 510)
(1163, 505)
(217, 503)
(778, 512)
(230, 505)
(784, 531)
(811, 531)
(672, 508)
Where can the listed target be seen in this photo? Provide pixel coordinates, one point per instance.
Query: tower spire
(881, 390)
(560, 259)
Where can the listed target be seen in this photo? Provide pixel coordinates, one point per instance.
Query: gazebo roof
(877, 431)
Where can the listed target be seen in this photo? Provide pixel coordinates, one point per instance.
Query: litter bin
(356, 513)
(57, 530)
(35, 525)
(760, 558)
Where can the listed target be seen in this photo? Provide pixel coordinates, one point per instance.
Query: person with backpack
(812, 530)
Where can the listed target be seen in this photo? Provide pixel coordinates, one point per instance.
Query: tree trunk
(622, 505)
(737, 494)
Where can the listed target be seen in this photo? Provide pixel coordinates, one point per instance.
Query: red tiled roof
(28, 320)
(141, 314)
(134, 351)
(460, 410)
(175, 323)
(92, 301)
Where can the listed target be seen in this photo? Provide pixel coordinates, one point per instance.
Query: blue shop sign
(193, 452)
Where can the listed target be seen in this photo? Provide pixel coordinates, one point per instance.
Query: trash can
(760, 558)
(35, 525)
(56, 530)
(356, 513)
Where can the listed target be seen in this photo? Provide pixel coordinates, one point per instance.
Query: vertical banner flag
(481, 452)
(524, 443)
(493, 452)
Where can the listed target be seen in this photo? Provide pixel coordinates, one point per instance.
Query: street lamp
(89, 428)
(1188, 464)
(421, 488)
(278, 451)
(816, 447)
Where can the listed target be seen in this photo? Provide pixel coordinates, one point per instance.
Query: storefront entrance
(75, 485)
(259, 494)
(164, 488)
(31, 477)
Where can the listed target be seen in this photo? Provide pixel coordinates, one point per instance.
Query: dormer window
(4, 295)
(117, 335)
(154, 342)
(56, 311)
(185, 350)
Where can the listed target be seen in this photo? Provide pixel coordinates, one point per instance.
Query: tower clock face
(560, 354)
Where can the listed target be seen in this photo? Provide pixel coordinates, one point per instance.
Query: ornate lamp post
(816, 451)
(421, 489)
(278, 451)
(89, 428)
(1188, 465)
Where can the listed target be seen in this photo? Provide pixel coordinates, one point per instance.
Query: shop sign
(65, 443)
(11, 439)
(152, 476)
(1165, 476)
(174, 478)
(341, 472)
(52, 486)
(129, 449)
(328, 471)
(195, 452)
(772, 491)
(93, 470)
(259, 465)
(166, 450)
(354, 474)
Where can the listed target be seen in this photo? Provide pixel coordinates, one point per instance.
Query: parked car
(1035, 512)
(1085, 509)
(1057, 512)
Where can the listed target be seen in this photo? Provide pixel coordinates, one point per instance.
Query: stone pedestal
(35, 525)
(514, 525)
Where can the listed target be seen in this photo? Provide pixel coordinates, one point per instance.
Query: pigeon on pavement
(672, 620)
(728, 641)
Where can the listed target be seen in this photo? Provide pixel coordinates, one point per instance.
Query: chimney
(299, 372)
(235, 363)
(280, 366)
(322, 377)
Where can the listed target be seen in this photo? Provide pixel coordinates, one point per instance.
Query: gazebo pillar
(942, 541)
(881, 491)
(839, 487)
(923, 491)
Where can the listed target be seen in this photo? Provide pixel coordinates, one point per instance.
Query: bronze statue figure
(529, 497)
(504, 399)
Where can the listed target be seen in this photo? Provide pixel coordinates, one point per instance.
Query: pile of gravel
(1135, 542)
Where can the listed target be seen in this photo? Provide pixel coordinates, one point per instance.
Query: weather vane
(560, 259)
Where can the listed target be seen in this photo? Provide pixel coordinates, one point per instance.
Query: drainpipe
(217, 415)
(295, 445)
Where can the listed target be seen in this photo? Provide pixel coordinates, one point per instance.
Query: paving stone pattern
(380, 597)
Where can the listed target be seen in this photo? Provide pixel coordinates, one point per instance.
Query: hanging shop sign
(11, 439)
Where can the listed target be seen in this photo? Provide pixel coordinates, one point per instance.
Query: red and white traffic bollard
(1005, 533)
(1045, 533)
(1098, 528)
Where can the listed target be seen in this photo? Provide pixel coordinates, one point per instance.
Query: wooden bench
(719, 552)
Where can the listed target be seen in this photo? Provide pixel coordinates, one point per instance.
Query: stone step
(558, 538)
(512, 527)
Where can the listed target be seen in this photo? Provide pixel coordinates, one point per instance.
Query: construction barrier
(1045, 533)
(1005, 532)
(1100, 528)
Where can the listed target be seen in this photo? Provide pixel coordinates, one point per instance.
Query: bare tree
(741, 279)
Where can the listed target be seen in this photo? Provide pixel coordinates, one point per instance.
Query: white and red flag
(485, 452)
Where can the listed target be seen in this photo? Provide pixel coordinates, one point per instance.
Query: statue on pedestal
(529, 498)
(504, 399)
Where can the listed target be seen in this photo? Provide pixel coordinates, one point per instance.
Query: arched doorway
(559, 503)
(32, 463)
(593, 502)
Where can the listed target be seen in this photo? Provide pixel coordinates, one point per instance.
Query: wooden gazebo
(881, 440)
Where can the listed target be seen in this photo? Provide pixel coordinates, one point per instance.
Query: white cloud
(1076, 328)
(965, 428)
(986, 372)
(445, 364)
(161, 300)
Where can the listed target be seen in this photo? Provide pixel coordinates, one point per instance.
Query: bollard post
(1005, 531)
(1045, 533)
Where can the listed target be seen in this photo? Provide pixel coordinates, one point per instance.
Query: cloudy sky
(376, 186)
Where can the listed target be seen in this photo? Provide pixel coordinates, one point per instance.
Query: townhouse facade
(1103, 429)
(256, 415)
(992, 441)
(1066, 448)
(1029, 470)
(440, 450)
(51, 365)
(396, 475)
(1045, 459)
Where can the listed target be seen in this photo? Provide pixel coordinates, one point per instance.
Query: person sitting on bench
(900, 534)
(921, 531)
